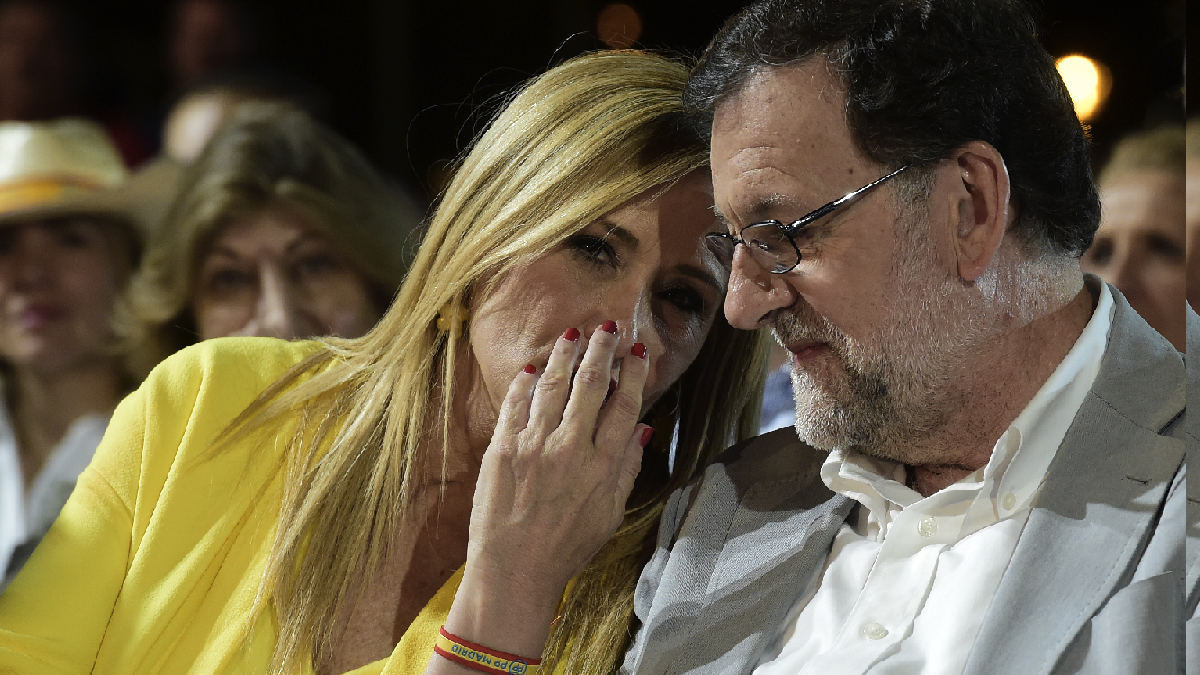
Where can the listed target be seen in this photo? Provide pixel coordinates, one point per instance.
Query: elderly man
(988, 476)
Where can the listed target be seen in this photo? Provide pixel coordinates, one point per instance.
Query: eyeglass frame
(790, 230)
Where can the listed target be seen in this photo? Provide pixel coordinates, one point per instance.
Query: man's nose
(753, 292)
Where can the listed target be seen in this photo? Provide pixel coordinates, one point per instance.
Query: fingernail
(647, 434)
(571, 335)
(530, 368)
(639, 350)
(609, 327)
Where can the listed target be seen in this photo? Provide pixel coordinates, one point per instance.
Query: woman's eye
(1100, 252)
(316, 264)
(227, 280)
(1165, 247)
(72, 237)
(594, 249)
(685, 298)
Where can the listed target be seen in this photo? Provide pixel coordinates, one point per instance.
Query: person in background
(1141, 245)
(779, 404)
(207, 38)
(280, 228)
(197, 116)
(45, 75)
(35, 62)
(69, 242)
(1192, 215)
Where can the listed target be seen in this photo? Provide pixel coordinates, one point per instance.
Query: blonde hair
(266, 153)
(572, 145)
(1158, 149)
(1192, 137)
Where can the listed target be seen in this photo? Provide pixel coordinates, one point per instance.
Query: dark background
(405, 79)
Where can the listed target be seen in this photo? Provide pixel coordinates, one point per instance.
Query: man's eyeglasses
(772, 243)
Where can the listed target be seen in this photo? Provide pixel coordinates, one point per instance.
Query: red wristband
(483, 659)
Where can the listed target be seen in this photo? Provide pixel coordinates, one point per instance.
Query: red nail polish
(609, 327)
(647, 434)
(571, 335)
(530, 368)
(639, 350)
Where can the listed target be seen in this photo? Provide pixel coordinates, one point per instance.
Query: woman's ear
(983, 207)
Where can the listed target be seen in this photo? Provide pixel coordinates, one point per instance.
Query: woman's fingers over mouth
(621, 412)
(514, 412)
(553, 386)
(592, 380)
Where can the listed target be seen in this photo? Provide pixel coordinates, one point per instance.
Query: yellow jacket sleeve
(155, 559)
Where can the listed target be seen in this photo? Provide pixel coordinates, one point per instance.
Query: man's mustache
(802, 323)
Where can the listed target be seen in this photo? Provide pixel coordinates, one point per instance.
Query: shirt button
(927, 527)
(873, 631)
(1008, 501)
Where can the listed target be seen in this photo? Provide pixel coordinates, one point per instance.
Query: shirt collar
(1021, 456)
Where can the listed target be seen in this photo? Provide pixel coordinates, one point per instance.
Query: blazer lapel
(759, 527)
(1096, 509)
(777, 541)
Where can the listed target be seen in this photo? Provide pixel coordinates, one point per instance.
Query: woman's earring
(451, 318)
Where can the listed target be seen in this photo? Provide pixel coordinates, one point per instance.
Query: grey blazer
(1096, 582)
(1193, 499)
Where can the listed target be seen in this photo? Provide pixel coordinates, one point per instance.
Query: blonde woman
(1141, 245)
(280, 229)
(266, 506)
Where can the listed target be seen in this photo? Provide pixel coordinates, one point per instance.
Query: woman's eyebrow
(625, 236)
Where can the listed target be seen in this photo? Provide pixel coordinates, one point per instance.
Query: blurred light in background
(619, 25)
(1088, 82)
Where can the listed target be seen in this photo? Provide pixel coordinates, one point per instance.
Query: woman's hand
(552, 488)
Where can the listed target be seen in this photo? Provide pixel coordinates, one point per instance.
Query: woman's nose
(1125, 272)
(279, 312)
(633, 310)
(31, 260)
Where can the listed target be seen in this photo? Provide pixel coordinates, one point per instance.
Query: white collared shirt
(28, 514)
(909, 579)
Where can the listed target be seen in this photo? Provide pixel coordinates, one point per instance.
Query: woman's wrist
(504, 612)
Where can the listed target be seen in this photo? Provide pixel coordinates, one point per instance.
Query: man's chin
(820, 422)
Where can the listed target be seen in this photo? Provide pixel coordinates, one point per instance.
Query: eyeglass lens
(765, 241)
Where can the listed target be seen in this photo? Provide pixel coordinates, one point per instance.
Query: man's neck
(1001, 382)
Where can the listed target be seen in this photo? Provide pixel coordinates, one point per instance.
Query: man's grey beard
(886, 393)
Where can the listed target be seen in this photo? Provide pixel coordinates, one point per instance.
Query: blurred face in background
(207, 38)
(33, 63)
(272, 273)
(1140, 246)
(1193, 233)
(58, 281)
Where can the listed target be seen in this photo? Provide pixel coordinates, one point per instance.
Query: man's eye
(594, 249)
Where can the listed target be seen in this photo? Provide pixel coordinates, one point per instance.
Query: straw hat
(69, 166)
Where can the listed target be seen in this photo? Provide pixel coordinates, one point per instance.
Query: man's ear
(982, 200)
